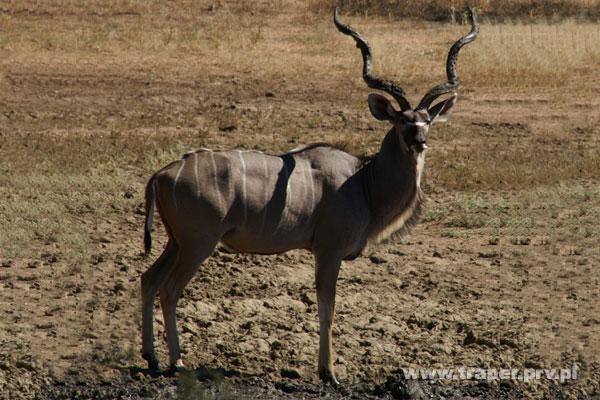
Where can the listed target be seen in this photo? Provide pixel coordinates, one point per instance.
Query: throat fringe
(403, 222)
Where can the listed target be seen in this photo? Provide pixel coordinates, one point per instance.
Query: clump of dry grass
(485, 167)
(442, 10)
(526, 55)
(511, 56)
(504, 56)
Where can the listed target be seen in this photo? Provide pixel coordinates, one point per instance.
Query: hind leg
(189, 258)
(151, 280)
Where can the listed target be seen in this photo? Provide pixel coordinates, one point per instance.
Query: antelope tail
(150, 203)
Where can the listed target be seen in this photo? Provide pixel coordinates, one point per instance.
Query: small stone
(227, 128)
(44, 325)
(532, 364)
(226, 257)
(276, 345)
(488, 254)
(286, 387)
(508, 342)
(520, 241)
(97, 259)
(290, 373)
(377, 259)
(188, 327)
(494, 241)
(28, 365)
(203, 324)
(246, 325)
(234, 291)
(470, 338)
(306, 299)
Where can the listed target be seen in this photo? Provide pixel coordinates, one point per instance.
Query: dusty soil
(490, 278)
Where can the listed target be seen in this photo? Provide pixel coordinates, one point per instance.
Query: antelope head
(411, 124)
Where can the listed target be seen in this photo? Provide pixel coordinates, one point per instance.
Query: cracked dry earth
(249, 328)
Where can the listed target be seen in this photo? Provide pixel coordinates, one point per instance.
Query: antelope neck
(393, 178)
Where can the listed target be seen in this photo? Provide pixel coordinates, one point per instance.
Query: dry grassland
(95, 97)
(443, 10)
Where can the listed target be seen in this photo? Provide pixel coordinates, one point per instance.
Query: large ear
(441, 111)
(380, 107)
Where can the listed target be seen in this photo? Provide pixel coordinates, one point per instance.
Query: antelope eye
(404, 119)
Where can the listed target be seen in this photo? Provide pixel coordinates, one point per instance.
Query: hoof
(328, 377)
(152, 361)
(178, 365)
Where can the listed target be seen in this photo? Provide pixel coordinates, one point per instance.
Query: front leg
(327, 270)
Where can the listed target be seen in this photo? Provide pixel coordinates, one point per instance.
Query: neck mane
(392, 188)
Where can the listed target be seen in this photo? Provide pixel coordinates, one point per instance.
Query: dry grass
(541, 55)
(443, 10)
(505, 55)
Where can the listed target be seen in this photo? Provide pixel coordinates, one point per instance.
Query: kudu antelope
(317, 198)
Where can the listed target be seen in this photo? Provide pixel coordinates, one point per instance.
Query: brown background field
(502, 271)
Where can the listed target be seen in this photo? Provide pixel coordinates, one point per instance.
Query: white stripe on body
(311, 185)
(243, 188)
(196, 151)
(287, 196)
(216, 182)
(175, 182)
(266, 200)
(196, 174)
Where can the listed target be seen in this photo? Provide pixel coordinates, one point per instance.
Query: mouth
(419, 147)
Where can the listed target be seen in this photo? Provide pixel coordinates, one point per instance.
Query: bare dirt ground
(502, 271)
